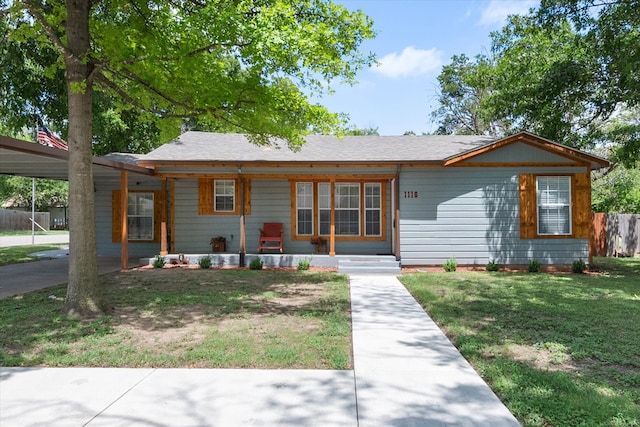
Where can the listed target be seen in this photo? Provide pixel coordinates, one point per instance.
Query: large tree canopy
(241, 63)
(564, 71)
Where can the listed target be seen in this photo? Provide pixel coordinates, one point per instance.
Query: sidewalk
(406, 374)
(39, 239)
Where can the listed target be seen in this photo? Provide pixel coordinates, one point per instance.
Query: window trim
(234, 199)
(153, 217)
(316, 210)
(540, 205)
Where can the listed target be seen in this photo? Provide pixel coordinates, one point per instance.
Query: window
(304, 208)
(357, 209)
(140, 216)
(554, 205)
(324, 208)
(224, 194)
(347, 209)
(372, 209)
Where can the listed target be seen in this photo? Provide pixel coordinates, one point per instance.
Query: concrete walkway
(39, 239)
(406, 374)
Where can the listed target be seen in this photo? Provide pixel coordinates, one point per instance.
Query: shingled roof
(219, 147)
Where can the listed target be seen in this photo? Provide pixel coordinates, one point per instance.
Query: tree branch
(33, 11)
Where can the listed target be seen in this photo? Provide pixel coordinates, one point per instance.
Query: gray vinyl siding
(270, 202)
(518, 152)
(473, 214)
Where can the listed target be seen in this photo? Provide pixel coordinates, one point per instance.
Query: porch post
(124, 229)
(163, 220)
(396, 214)
(243, 248)
(332, 235)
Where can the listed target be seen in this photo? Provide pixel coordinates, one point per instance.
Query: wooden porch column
(332, 235)
(163, 220)
(124, 216)
(396, 214)
(243, 243)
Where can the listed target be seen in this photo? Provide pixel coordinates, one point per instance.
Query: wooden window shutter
(116, 216)
(581, 210)
(205, 196)
(527, 206)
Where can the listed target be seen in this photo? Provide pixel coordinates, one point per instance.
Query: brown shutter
(527, 206)
(205, 196)
(116, 216)
(581, 205)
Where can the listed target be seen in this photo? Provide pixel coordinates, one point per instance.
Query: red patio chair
(271, 237)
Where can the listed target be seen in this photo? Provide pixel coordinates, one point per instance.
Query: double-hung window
(224, 194)
(554, 205)
(372, 209)
(140, 216)
(356, 208)
(347, 209)
(304, 208)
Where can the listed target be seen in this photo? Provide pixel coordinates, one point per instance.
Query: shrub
(451, 265)
(492, 266)
(578, 266)
(158, 262)
(534, 266)
(204, 262)
(304, 264)
(256, 264)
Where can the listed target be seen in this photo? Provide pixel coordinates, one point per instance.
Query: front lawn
(188, 318)
(20, 254)
(558, 349)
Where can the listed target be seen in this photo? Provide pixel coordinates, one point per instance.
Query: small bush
(534, 266)
(158, 262)
(451, 265)
(256, 264)
(204, 262)
(578, 266)
(492, 266)
(304, 264)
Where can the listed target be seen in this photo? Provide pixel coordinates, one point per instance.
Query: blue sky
(415, 39)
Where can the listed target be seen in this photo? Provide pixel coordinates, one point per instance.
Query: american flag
(48, 138)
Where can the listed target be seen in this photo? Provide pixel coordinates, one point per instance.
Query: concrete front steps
(381, 264)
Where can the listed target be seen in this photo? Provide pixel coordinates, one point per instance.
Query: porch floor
(371, 263)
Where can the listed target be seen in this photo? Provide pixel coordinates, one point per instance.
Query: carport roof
(24, 158)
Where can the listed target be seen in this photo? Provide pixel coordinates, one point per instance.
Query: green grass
(188, 318)
(558, 349)
(19, 254)
(28, 232)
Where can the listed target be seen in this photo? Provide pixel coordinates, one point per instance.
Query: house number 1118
(410, 194)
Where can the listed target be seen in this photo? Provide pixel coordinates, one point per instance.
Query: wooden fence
(615, 235)
(21, 220)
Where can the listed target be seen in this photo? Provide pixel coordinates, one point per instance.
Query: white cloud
(497, 11)
(410, 62)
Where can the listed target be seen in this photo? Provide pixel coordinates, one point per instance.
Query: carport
(32, 160)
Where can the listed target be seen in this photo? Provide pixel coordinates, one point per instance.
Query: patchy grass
(28, 232)
(559, 349)
(188, 318)
(19, 254)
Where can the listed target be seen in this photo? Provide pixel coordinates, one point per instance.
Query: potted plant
(320, 244)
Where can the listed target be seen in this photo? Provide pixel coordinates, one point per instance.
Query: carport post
(124, 211)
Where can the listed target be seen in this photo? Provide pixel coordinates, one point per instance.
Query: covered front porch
(347, 264)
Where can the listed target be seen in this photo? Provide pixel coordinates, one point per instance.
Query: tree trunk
(83, 293)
